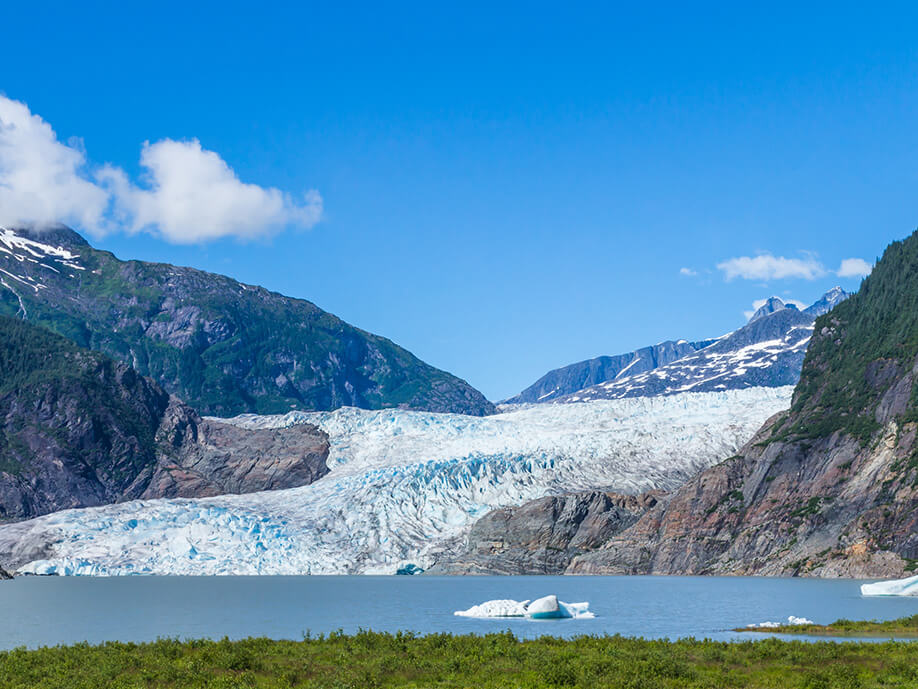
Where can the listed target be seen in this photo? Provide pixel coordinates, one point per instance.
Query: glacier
(404, 487)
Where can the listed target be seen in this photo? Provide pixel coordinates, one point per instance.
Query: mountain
(403, 487)
(221, 346)
(80, 429)
(828, 488)
(767, 351)
(584, 374)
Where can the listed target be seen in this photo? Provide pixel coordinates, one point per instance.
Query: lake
(62, 610)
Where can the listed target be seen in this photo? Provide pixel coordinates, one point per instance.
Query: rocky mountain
(828, 488)
(769, 354)
(768, 351)
(221, 346)
(544, 535)
(4, 574)
(80, 429)
(584, 374)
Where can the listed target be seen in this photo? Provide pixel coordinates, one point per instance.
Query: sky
(501, 190)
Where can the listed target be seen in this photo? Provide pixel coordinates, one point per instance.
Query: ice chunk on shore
(546, 608)
(895, 587)
(791, 621)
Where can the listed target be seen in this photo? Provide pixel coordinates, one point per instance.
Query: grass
(903, 627)
(369, 660)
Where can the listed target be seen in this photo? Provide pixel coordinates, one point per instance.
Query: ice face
(895, 587)
(404, 487)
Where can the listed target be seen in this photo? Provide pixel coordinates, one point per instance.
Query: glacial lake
(41, 611)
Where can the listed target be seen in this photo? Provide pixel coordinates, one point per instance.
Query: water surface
(53, 610)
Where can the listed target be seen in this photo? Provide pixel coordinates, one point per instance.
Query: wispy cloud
(188, 195)
(854, 268)
(688, 272)
(765, 267)
(769, 267)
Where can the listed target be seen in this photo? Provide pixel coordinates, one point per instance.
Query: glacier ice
(545, 608)
(894, 587)
(403, 487)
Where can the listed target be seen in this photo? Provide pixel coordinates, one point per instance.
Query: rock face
(223, 347)
(204, 457)
(78, 429)
(828, 488)
(544, 535)
(4, 574)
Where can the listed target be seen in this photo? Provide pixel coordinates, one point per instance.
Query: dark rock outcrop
(78, 429)
(4, 574)
(544, 535)
(223, 347)
(204, 457)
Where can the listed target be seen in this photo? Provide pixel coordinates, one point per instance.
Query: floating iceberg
(403, 487)
(895, 587)
(545, 608)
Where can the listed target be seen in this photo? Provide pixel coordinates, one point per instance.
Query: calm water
(53, 610)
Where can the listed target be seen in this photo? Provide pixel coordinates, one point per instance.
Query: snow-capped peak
(771, 305)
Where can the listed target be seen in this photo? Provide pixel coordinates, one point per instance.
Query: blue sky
(503, 190)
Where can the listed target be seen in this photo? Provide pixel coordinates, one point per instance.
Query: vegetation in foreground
(367, 660)
(903, 627)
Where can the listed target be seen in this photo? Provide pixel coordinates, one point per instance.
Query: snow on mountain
(25, 250)
(723, 363)
(767, 351)
(403, 487)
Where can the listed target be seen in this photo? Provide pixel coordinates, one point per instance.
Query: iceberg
(545, 608)
(791, 621)
(403, 487)
(894, 587)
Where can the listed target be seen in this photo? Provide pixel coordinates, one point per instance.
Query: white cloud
(688, 272)
(43, 181)
(768, 267)
(193, 195)
(854, 268)
(188, 194)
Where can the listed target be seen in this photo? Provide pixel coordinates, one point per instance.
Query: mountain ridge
(594, 378)
(222, 346)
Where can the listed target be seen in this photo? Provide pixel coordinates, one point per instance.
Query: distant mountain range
(767, 351)
(221, 346)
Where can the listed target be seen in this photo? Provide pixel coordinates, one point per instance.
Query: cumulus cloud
(688, 272)
(854, 268)
(768, 267)
(43, 181)
(187, 194)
